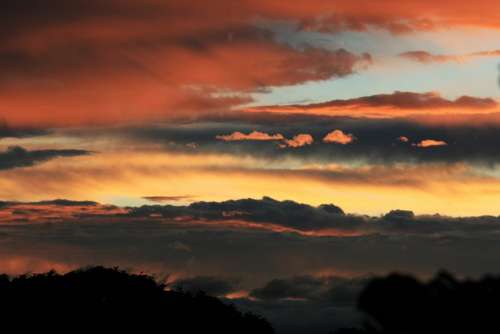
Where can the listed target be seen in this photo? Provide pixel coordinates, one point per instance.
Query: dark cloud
(377, 141)
(8, 132)
(324, 218)
(267, 214)
(16, 156)
(283, 213)
(312, 304)
(299, 317)
(213, 286)
(298, 287)
(336, 290)
(399, 215)
(65, 202)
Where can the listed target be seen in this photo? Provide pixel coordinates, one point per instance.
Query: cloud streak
(17, 157)
(395, 105)
(427, 57)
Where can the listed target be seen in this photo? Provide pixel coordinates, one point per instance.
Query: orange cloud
(123, 65)
(119, 61)
(298, 141)
(255, 135)
(339, 137)
(396, 104)
(426, 57)
(403, 139)
(430, 143)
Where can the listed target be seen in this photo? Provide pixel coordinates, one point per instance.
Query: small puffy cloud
(255, 135)
(298, 141)
(339, 137)
(403, 139)
(430, 143)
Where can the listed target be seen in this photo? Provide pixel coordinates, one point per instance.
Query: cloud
(65, 202)
(164, 199)
(431, 143)
(287, 214)
(324, 220)
(299, 140)
(336, 290)
(82, 223)
(339, 137)
(213, 286)
(87, 59)
(16, 157)
(426, 57)
(55, 211)
(376, 144)
(292, 278)
(399, 216)
(403, 139)
(117, 61)
(255, 135)
(395, 105)
(8, 132)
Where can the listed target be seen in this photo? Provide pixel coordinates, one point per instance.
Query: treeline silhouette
(399, 304)
(101, 299)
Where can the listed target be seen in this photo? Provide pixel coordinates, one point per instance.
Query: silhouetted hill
(100, 299)
(400, 304)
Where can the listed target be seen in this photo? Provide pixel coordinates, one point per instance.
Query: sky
(281, 151)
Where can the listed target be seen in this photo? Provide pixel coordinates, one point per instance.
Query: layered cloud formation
(301, 258)
(112, 61)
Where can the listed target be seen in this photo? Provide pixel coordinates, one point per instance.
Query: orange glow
(447, 189)
(431, 143)
(255, 135)
(382, 112)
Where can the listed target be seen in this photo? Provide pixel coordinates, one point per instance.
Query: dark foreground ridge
(100, 299)
(400, 304)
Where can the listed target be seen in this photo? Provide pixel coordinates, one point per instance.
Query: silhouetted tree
(400, 304)
(99, 299)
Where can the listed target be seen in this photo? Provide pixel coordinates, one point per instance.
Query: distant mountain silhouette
(98, 299)
(400, 304)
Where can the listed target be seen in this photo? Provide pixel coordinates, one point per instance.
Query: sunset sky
(131, 111)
